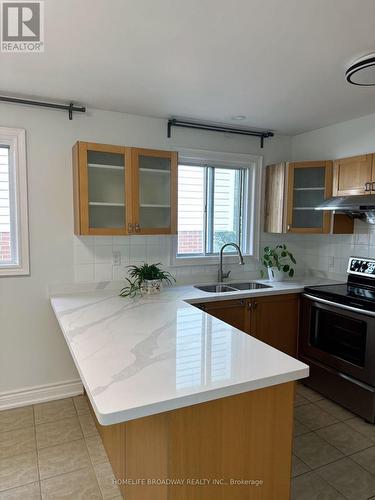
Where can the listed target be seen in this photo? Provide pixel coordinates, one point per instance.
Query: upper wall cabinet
(355, 175)
(293, 190)
(154, 191)
(120, 190)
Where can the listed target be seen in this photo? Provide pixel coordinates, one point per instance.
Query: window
(216, 205)
(14, 248)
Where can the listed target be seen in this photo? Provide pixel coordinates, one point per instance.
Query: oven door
(339, 336)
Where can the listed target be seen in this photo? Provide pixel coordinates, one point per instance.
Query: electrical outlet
(116, 258)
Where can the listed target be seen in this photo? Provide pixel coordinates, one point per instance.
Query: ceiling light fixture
(239, 118)
(362, 71)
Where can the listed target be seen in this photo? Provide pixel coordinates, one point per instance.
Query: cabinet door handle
(249, 306)
(137, 228)
(368, 187)
(288, 227)
(130, 228)
(372, 186)
(255, 305)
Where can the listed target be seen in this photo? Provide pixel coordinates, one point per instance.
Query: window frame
(251, 212)
(15, 139)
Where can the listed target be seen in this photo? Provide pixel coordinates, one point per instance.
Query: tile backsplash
(326, 255)
(93, 259)
(320, 255)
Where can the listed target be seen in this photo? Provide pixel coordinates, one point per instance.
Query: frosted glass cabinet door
(308, 185)
(103, 179)
(155, 203)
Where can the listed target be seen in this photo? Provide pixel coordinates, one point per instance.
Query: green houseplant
(147, 279)
(278, 262)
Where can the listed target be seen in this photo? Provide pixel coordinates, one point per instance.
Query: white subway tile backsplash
(103, 272)
(100, 241)
(83, 254)
(84, 273)
(103, 254)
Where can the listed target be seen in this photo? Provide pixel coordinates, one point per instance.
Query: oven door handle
(339, 306)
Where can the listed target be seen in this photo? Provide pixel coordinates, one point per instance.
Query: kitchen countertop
(142, 356)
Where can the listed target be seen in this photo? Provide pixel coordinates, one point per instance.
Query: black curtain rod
(66, 107)
(173, 122)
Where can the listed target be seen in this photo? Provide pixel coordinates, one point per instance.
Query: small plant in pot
(278, 262)
(146, 279)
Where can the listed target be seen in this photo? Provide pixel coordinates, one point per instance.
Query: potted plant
(278, 262)
(147, 279)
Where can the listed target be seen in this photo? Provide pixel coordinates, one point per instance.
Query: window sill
(9, 271)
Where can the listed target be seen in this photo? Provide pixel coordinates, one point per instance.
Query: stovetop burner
(359, 291)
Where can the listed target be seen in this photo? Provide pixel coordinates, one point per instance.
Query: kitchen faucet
(221, 274)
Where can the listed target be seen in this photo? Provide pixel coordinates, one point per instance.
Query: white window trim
(234, 160)
(16, 140)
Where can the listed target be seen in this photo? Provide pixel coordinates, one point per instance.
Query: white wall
(32, 350)
(336, 141)
(327, 255)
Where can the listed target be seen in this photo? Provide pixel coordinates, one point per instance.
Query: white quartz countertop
(142, 356)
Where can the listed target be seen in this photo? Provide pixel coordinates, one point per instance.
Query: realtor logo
(22, 26)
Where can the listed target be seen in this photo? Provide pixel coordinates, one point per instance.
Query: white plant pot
(275, 275)
(151, 287)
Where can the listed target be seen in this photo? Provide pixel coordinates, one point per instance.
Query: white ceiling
(279, 62)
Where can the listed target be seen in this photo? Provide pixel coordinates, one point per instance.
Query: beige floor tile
(88, 425)
(18, 470)
(299, 428)
(81, 404)
(63, 458)
(59, 432)
(17, 442)
(54, 410)
(28, 492)
(308, 393)
(96, 450)
(314, 451)
(311, 487)
(299, 400)
(298, 467)
(105, 477)
(362, 426)
(350, 479)
(366, 458)
(314, 417)
(78, 485)
(16, 419)
(344, 438)
(334, 409)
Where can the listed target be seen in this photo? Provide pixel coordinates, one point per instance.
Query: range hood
(359, 206)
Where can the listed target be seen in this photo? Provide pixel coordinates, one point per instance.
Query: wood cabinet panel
(275, 321)
(275, 179)
(272, 319)
(234, 312)
(351, 175)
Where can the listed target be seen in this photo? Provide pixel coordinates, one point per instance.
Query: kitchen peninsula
(188, 407)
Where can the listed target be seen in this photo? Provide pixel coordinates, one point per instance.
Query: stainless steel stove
(337, 338)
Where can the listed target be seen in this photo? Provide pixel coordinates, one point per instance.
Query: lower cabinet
(272, 319)
(233, 312)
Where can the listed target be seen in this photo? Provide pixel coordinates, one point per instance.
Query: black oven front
(338, 336)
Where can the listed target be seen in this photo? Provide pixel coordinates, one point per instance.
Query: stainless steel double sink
(230, 287)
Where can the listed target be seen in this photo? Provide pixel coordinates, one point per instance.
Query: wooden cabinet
(154, 191)
(120, 190)
(272, 319)
(355, 175)
(233, 312)
(293, 191)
